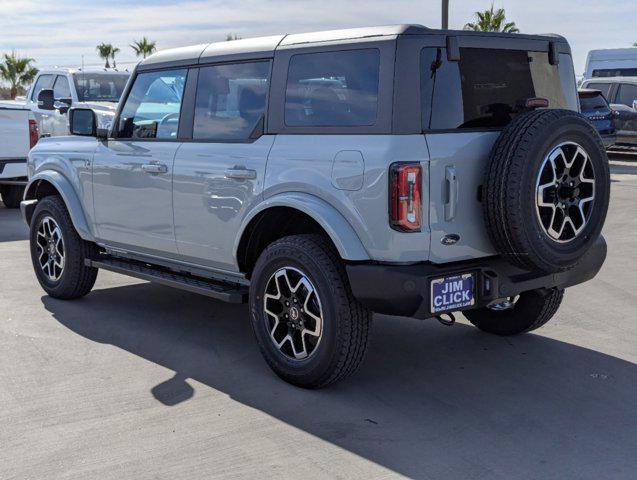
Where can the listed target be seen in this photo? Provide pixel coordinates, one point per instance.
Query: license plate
(452, 293)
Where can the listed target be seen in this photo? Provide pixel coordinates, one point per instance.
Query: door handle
(451, 200)
(154, 168)
(241, 173)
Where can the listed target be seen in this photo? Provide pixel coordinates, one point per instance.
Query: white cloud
(60, 32)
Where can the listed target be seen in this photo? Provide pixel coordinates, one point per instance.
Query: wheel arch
(294, 213)
(49, 183)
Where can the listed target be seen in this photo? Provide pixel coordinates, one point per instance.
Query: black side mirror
(83, 121)
(46, 101)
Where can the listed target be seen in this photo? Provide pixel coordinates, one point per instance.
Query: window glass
(615, 72)
(230, 100)
(627, 94)
(494, 85)
(333, 89)
(153, 105)
(591, 102)
(99, 87)
(602, 87)
(44, 81)
(61, 88)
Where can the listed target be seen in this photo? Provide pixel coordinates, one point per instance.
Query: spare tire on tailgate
(546, 190)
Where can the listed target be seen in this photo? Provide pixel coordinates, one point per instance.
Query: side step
(227, 292)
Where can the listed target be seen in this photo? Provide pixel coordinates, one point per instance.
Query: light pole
(445, 14)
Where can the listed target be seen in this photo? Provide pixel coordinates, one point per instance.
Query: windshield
(99, 87)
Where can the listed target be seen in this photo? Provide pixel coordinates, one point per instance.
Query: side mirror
(46, 101)
(83, 121)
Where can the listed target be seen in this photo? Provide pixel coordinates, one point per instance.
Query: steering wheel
(164, 122)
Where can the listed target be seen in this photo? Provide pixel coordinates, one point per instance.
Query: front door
(218, 176)
(132, 173)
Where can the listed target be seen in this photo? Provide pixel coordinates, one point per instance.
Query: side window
(153, 105)
(44, 81)
(627, 94)
(333, 89)
(61, 87)
(230, 100)
(602, 87)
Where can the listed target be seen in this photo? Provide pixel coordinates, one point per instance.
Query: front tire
(309, 327)
(531, 311)
(58, 253)
(11, 195)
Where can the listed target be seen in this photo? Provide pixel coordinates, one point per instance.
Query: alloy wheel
(565, 192)
(50, 247)
(294, 316)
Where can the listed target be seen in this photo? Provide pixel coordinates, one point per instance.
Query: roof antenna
(445, 14)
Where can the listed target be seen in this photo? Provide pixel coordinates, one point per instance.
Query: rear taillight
(34, 133)
(405, 196)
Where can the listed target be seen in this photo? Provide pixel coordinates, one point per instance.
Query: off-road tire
(509, 189)
(76, 279)
(11, 195)
(532, 310)
(346, 323)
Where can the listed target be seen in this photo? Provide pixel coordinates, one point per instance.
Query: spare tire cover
(546, 190)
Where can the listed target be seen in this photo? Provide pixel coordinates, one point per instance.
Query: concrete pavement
(140, 381)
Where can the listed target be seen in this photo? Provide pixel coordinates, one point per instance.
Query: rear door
(132, 172)
(466, 104)
(218, 173)
(45, 118)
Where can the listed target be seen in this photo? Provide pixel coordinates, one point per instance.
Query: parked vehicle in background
(95, 88)
(594, 106)
(621, 94)
(18, 134)
(325, 176)
(613, 62)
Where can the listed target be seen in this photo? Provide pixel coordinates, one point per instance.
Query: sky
(60, 32)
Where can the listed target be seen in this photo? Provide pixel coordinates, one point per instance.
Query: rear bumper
(13, 171)
(404, 289)
(609, 140)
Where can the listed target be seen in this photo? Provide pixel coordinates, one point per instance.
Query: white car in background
(18, 134)
(96, 88)
(611, 62)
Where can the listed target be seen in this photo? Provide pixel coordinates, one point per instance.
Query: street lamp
(445, 14)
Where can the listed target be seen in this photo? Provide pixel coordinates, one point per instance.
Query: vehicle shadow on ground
(12, 227)
(429, 401)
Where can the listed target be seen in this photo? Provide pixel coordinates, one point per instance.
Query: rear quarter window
(333, 89)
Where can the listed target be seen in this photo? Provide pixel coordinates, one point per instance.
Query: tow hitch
(449, 321)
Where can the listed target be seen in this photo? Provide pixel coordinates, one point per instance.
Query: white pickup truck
(18, 134)
(97, 89)
(21, 120)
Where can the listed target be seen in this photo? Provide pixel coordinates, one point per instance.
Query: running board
(227, 292)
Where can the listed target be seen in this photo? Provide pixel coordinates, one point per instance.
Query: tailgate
(456, 169)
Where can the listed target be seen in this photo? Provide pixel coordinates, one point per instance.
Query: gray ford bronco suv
(321, 177)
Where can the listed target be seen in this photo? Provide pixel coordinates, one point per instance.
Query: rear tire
(12, 195)
(328, 338)
(532, 310)
(58, 253)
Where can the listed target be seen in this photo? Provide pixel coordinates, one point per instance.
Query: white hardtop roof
(66, 70)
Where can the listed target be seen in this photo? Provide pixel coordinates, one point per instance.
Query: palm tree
(114, 50)
(144, 47)
(492, 21)
(105, 50)
(17, 71)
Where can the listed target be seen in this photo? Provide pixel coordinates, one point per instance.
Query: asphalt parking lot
(140, 381)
